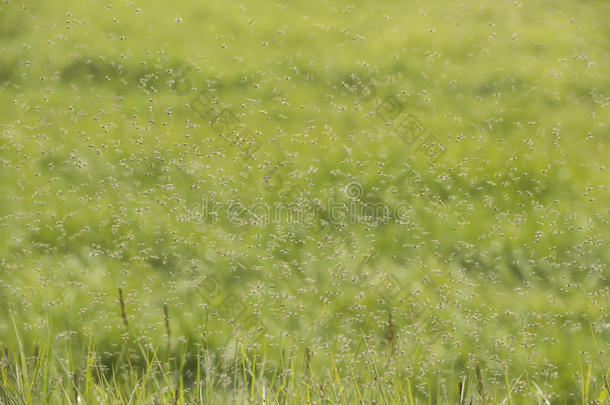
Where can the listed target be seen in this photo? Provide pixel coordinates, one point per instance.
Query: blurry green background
(505, 243)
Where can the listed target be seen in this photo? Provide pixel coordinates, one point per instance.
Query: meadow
(347, 202)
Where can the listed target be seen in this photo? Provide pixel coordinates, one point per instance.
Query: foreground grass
(378, 372)
(239, 377)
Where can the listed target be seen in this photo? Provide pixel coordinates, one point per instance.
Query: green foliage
(304, 202)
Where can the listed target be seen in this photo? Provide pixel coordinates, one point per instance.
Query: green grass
(337, 263)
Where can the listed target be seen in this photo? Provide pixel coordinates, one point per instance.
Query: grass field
(304, 202)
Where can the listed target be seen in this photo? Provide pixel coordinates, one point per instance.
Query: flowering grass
(288, 203)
